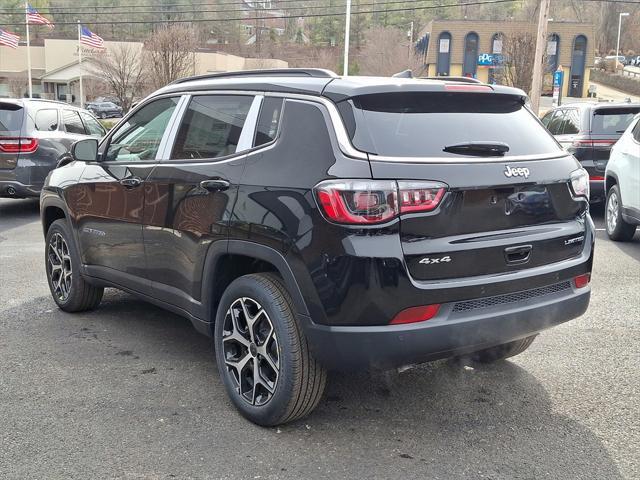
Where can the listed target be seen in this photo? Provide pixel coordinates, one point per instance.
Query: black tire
(501, 352)
(299, 381)
(74, 295)
(617, 229)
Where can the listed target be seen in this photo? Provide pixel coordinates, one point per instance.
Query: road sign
(558, 77)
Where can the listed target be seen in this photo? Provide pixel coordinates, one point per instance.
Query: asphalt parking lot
(130, 391)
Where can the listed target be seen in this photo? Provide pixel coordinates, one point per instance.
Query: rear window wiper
(483, 149)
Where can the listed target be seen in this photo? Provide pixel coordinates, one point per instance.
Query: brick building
(469, 47)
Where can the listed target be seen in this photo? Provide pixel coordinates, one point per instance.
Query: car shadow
(449, 419)
(631, 248)
(17, 212)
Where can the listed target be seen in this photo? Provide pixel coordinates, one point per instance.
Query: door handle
(216, 185)
(131, 182)
(517, 255)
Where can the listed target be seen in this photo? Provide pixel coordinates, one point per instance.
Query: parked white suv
(622, 183)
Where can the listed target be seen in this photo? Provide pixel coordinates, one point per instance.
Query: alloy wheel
(612, 212)
(59, 266)
(251, 352)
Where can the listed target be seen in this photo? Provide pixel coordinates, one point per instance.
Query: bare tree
(170, 54)
(385, 52)
(18, 86)
(123, 69)
(94, 87)
(518, 52)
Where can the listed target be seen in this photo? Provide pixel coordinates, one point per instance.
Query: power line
(284, 9)
(272, 17)
(161, 6)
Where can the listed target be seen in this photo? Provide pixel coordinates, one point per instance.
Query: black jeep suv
(308, 222)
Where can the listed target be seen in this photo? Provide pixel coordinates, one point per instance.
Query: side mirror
(85, 150)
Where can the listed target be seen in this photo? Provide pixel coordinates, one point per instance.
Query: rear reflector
(18, 145)
(582, 281)
(416, 314)
(596, 177)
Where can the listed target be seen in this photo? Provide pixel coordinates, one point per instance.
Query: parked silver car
(34, 133)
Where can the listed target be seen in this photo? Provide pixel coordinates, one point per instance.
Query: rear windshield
(10, 119)
(612, 120)
(423, 124)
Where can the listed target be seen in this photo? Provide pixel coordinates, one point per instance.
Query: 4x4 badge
(516, 172)
(431, 261)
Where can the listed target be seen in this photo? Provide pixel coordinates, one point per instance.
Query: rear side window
(571, 124)
(92, 125)
(211, 126)
(267, 127)
(72, 122)
(10, 119)
(556, 124)
(424, 123)
(47, 120)
(612, 120)
(636, 131)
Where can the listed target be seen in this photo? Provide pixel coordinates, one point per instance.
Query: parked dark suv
(308, 222)
(588, 131)
(33, 135)
(105, 109)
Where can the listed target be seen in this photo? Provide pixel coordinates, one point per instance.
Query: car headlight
(580, 183)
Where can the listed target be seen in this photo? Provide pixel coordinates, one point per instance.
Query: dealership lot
(131, 391)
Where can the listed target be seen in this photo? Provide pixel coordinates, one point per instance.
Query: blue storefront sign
(489, 59)
(557, 78)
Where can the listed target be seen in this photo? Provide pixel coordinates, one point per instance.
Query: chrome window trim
(166, 143)
(245, 142)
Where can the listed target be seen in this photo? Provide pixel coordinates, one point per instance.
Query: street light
(624, 14)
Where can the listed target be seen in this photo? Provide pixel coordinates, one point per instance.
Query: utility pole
(347, 28)
(410, 46)
(538, 61)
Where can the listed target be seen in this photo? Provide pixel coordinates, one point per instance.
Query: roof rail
(270, 72)
(453, 79)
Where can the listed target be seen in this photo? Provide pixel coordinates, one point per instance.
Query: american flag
(9, 39)
(90, 39)
(34, 17)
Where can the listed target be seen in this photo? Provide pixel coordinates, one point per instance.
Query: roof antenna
(403, 74)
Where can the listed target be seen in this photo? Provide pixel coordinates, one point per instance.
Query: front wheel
(617, 229)
(62, 263)
(262, 354)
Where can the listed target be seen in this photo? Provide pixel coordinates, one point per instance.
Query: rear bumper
(13, 189)
(597, 191)
(451, 332)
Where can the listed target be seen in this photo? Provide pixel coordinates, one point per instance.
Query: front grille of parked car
(510, 297)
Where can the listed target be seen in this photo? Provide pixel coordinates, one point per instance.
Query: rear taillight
(367, 202)
(18, 145)
(580, 183)
(416, 314)
(582, 281)
(593, 143)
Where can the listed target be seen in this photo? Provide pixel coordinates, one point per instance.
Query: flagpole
(26, 21)
(80, 62)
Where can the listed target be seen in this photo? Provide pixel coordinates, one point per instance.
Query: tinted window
(636, 131)
(612, 120)
(557, 120)
(423, 124)
(92, 125)
(547, 118)
(10, 119)
(571, 122)
(267, 127)
(139, 137)
(72, 122)
(47, 120)
(211, 126)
